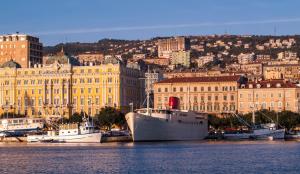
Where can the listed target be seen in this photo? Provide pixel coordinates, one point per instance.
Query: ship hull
(147, 128)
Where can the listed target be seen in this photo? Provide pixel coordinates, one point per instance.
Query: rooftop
(279, 83)
(202, 79)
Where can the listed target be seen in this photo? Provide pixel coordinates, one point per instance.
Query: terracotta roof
(201, 79)
(271, 84)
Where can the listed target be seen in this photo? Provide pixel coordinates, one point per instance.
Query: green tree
(76, 118)
(109, 116)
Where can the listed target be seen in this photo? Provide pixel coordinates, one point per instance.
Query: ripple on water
(161, 157)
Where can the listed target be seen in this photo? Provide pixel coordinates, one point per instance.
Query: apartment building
(24, 49)
(275, 95)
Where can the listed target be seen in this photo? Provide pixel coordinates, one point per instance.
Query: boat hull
(147, 128)
(260, 134)
(84, 138)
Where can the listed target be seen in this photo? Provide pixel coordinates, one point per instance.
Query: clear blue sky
(56, 21)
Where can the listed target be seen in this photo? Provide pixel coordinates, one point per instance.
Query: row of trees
(285, 119)
(107, 118)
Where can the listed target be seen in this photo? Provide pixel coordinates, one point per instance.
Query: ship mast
(148, 90)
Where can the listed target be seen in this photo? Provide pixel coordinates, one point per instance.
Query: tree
(76, 118)
(109, 116)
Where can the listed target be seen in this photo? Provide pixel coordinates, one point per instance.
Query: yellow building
(276, 95)
(215, 95)
(60, 88)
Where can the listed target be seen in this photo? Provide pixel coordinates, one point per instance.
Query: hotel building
(214, 95)
(24, 49)
(61, 88)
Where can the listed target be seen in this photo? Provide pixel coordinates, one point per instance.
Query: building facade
(288, 72)
(181, 58)
(62, 89)
(214, 95)
(167, 46)
(275, 95)
(24, 49)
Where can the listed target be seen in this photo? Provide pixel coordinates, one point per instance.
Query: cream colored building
(215, 95)
(59, 88)
(289, 72)
(275, 95)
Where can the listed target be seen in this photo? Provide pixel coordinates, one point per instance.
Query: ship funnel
(174, 102)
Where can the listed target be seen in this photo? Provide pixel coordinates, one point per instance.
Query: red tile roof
(201, 79)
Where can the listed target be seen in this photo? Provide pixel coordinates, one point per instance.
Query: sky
(60, 21)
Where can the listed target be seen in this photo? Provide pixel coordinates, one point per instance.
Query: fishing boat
(70, 133)
(267, 131)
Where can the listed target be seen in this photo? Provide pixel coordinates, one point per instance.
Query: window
(232, 97)
(166, 89)
(174, 89)
(97, 90)
(97, 80)
(209, 98)
(181, 89)
(89, 90)
(241, 95)
(195, 89)
(209, 88)
(216, 98)
(202, 88)
(158, 90)
(81, 101)
(82, 90)
(225, 97)
(109, 80)
(216, 88)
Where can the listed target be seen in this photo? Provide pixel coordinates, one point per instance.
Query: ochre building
(60, 88)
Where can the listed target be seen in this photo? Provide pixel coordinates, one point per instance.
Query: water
(172, 157)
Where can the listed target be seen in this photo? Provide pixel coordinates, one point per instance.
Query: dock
(13, 139)
(116, 139)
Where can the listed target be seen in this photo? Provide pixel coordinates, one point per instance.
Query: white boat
(267, 131)
(70, 133)
(15, 126)
(167, 125)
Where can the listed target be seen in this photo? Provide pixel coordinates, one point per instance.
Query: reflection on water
(160, 157)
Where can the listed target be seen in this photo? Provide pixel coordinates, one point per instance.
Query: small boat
(70, 133)
(20, 126)
(267, 131)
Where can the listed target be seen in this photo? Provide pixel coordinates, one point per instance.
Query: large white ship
(166, 125)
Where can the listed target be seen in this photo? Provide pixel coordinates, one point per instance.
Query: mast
(253, 116)
(148, 90)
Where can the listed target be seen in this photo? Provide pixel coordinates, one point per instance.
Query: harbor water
(159, 157)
